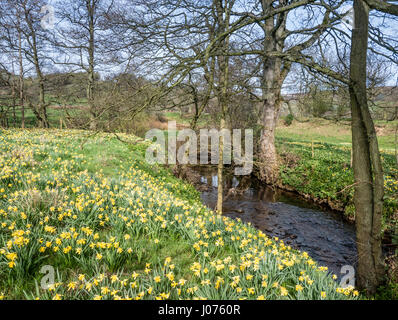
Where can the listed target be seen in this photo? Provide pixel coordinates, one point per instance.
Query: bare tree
(24, 35)
(81, 38)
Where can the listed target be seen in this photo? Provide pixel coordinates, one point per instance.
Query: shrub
(289, 119)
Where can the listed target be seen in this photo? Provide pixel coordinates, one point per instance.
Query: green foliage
(388, 291)
(328, 176)
(288, 119)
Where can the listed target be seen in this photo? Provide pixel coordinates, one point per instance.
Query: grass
(320, 130)
(114, 227)
(54, 116)
(316, 161)
(186, 119)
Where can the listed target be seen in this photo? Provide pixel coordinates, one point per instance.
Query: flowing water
(324, 235)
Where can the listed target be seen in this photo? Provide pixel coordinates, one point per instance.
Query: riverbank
(322, 173)
(315, 160)
(114, 227)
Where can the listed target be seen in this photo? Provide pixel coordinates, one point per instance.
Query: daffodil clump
(114, 227)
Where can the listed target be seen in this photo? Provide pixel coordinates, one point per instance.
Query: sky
(295, 21)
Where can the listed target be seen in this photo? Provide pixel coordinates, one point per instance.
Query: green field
(336, 133)
(54, 116)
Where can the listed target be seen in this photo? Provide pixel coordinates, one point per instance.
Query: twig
(88, 137)
(127, 142)
(348, 187)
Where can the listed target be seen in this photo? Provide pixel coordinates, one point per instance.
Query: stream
(323, 234)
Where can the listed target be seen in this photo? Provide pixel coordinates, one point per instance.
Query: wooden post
(312, 147)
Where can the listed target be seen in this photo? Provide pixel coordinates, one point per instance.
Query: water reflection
(324, 235)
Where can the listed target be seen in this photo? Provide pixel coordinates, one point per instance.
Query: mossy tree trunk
(368, 171)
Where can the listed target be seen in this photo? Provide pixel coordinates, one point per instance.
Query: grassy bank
(114, 227)
(316, 161)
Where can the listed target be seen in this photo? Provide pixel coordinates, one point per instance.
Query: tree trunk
(223, 15)
(21, 79)
(271, 104)
(272, 80)
(209, 75)
(41, 111)
(91, 71)
(42, 104)
(14, 101)
(368, 173)
(21, 73)
(396, 144)
(220, 169)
